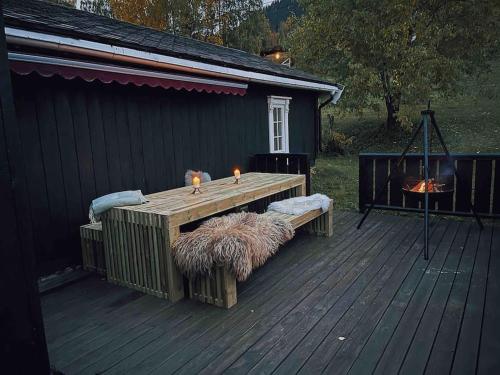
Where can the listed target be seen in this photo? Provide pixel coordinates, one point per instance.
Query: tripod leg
(459, 180)
(426, 194)
(389, 177)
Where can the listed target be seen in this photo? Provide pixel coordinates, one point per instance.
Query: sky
(267, 2)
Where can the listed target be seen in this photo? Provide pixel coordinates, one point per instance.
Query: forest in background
(247, 25)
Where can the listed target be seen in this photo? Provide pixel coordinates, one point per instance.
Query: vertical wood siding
(23, 349)
(82, 140)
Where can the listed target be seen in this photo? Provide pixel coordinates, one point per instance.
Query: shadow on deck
(360, 302)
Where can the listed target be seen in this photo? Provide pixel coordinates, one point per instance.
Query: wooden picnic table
(138, 239)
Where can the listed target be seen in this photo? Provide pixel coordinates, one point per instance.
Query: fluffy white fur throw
(301, 205)
(241, 242)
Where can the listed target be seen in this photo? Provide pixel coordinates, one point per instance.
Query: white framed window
(278, 123)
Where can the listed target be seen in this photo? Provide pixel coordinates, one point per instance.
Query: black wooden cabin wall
(82, 140)
(22, 348)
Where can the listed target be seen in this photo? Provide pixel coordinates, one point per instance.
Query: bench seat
(220, 289)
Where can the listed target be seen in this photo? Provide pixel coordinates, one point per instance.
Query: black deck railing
(479, 183)
(283, 163)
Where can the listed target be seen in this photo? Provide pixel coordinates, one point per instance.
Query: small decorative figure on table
(196, 185)
(237, 176)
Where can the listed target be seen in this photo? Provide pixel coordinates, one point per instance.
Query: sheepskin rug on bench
(240, 241)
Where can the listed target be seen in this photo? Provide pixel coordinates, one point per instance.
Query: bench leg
(323, 225)
(218, 289)
(229, 288)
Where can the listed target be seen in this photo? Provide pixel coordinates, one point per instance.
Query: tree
(285, 30)
(149, 13)
(396, 51)
(253, 34)
(100, 7)
(220, 20)
(278, 12)
(214, 21)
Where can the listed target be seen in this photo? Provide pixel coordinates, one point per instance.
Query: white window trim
(284, 103)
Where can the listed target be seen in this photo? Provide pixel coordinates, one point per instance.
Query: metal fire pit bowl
(444, 186)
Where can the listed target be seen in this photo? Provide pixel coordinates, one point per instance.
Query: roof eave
(129, 55)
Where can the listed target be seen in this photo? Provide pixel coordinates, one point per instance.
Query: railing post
(277, 163)
(361, 187)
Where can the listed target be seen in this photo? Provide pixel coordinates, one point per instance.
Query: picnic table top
(181, 206)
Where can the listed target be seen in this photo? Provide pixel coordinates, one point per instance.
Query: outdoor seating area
(138, 240)
(249, 187)
(358, 302)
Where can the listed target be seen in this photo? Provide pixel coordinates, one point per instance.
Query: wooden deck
(360, 302)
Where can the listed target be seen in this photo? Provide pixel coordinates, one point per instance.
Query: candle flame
(237, 173)
(196, 181)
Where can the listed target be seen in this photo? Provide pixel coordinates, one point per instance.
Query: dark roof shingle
(46, 17)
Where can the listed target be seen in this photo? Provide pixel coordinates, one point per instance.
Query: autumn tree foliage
(395, 52)
(234, 23)
(140, 12)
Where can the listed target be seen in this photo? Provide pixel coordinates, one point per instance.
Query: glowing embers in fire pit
(439, 185)
(432, 187)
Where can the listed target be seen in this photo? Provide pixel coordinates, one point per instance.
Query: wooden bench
(220, 288)
(93, 248)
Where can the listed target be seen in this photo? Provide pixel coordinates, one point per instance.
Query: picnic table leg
(175, 283)
(302, 189)
(297, 191)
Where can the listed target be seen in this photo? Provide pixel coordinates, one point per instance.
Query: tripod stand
(427, 119)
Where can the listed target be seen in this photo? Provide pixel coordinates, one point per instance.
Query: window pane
(277, 123)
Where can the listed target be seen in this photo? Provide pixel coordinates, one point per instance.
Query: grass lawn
(469, 123)
(338, 178)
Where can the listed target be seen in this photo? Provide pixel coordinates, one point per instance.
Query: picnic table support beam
(175, 283)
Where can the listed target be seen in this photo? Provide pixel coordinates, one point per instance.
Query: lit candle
(237, 175)
(196, 182)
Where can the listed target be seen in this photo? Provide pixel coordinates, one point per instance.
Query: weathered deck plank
(490, 342)
(303, 312)
(421, 344)
(441, 356)
(372, 287)
(472, 321)
(322, 342)
(372, 335)
(318, 307)
(291, 289)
